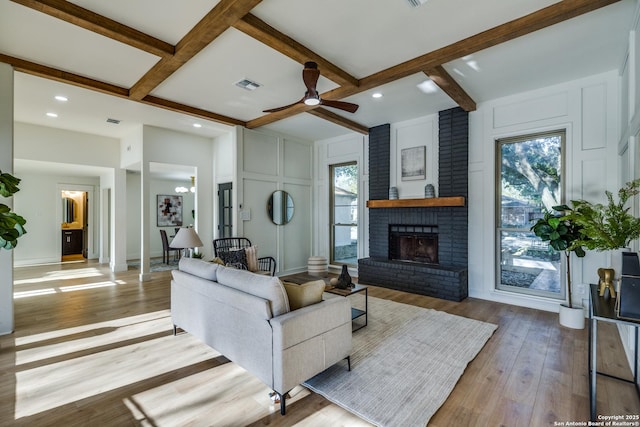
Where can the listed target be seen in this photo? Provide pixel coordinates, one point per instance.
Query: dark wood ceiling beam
(99, 24)
(192, 111)
(339, 120)
(449, 86)
(266, 34)
(558, 12)
(527, 24)
(217, 21)
(50, 73)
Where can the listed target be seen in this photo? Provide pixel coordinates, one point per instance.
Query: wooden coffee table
(356, 313)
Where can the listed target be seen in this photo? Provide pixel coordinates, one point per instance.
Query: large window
(344, 213)
(529, 181)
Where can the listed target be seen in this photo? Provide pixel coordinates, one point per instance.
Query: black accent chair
(226, 244)
(166, 250)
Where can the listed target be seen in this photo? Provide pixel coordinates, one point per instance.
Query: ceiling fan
(310, 75)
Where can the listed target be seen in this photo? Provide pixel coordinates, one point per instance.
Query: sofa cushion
(304, 294)
(236, 258)
(267, 287)
(252, 258)
(198, 267)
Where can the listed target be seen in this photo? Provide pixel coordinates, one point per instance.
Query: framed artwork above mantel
(413, 163)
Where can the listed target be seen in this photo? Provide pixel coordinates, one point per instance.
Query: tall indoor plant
(11, 224)
(606, 227)
(564, 235)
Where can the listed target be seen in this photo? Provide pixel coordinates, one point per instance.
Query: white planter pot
(572, 317)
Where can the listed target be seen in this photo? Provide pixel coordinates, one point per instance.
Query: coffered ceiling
(174, 64)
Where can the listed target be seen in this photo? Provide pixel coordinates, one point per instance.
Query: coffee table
(356, 313)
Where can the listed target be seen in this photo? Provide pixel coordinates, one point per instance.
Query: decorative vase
(393, 193)
(344, 280)
(572, 317)
(429, 191)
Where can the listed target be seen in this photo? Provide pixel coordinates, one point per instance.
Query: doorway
(74, 225)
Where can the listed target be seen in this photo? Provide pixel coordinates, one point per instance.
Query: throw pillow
(304, 294)
(236, 259)
(252, 258)
(218, 260)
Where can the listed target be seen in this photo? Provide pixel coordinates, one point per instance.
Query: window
(529, 181)
(344, 213)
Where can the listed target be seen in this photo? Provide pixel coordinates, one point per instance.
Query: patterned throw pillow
(237, 259)
(252, 258)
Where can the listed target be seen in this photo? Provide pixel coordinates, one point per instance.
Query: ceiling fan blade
(341, 105)
(310, 75)
(274, 110)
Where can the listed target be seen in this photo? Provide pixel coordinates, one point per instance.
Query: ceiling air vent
(114, 121)
(248, 84)
(416, 3)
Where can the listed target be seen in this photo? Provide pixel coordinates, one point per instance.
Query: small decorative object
(606, 282)
(393, 193)
(333, 281)
(429, 191)
(413, 163)
(317, 266)
(344, 280)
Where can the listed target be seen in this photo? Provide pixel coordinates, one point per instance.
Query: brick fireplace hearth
(447, 278)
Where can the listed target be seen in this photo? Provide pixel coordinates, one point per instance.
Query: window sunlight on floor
(68, 365)
(60, 275)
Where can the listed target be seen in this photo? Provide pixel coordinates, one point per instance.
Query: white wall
(419, 132)
(352, 147)
(6, 165)
(224, 170)
(156, 187)
(267, 162)
(588, 110)
(39, 201)
(40, 195)
(171, 147)
(629, 144)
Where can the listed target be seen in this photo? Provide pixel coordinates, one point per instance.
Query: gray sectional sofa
(246, 317)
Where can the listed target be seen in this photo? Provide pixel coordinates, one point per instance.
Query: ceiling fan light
(312, 101)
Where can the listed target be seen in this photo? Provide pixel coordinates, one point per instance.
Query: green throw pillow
(305, 294)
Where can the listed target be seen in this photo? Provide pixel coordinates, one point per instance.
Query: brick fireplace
(443, 274)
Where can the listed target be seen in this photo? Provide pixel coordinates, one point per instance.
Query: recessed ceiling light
(52, 115)
(377, 95)
(197, 125)
(61, 98)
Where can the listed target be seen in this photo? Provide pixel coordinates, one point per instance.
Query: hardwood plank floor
(96, 348)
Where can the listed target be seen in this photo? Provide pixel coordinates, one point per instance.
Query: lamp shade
(186, 238)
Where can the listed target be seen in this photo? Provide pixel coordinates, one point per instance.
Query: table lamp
(186, 238)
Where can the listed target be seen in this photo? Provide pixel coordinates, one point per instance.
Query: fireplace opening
(414, 243)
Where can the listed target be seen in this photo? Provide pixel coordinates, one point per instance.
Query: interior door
(85, 226)
(225, 206)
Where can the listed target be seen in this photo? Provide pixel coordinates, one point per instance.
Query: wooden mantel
(418, 203)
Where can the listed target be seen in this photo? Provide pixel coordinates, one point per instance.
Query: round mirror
(280, 207)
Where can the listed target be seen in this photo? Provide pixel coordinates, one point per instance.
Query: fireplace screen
(413, 243)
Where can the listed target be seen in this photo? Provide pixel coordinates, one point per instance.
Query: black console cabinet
(71, 242)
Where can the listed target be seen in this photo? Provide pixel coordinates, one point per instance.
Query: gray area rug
(156, 264)
(404, 363)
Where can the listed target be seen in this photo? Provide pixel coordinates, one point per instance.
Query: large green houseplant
(563, 235)
(11, 224)
(606, 226)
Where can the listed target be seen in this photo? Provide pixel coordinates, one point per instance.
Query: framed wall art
(413, 163)
(169, 210)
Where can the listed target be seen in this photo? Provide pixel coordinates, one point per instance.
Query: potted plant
(564, 235)
(606, 227)
(11, 224)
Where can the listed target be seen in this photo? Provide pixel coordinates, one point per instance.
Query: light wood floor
(96, 348)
